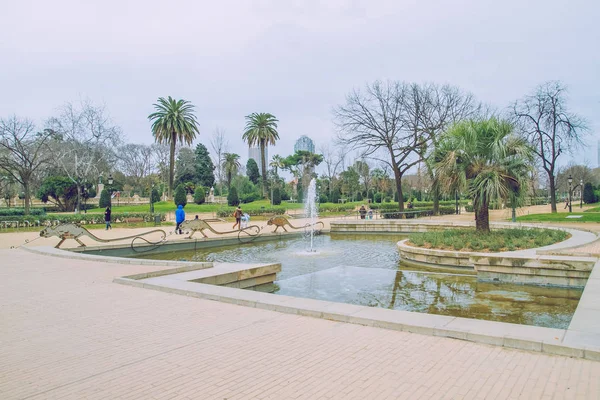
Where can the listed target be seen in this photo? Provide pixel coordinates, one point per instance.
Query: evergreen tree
(588, 194)
(155, 196)
(180, 197)
(104, 199)
(276, 197)
(199, 197)
(232, 197)
(204, 166)
(252, 171)
(335, 195)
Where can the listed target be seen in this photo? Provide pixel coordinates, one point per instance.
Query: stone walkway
(68, 332)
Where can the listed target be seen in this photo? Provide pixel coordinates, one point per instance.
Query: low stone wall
(563, 271)
(537, 270)
(420, 256)
(393, 225)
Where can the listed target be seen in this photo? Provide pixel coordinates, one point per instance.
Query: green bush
(377, 197)
(323, 198)
(232, 197)
(588, 194)
(276, 200)
(199, 195)
(180, 197)
(81, 218)
(104, 199)
(155, 196)
(249, 197)
(228, 212)
(8, 212)
(496, 240)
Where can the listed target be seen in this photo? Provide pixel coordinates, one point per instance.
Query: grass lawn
(497, 240)
(169, 206)
(561, 217)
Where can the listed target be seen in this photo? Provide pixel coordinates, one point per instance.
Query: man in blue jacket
(179, 218)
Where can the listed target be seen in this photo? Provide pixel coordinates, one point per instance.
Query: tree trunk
(552, 192)
(27, 196)
(263, 168)
(172, 164)
(482, 217)
(78, 204)
(435, 196)
(398, 179)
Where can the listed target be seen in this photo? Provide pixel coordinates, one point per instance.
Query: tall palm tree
(485, 158)
(173, 121)
(231, 165)
(261, 130)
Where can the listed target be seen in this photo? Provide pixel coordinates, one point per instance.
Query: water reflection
(366, 270)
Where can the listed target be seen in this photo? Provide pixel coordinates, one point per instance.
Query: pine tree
(180, 197)
(276, 197)
(104, 199)
(232, 197)
(252, 171)
(204, 166)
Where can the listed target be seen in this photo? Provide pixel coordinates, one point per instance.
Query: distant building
(254, 153)
(304, 144)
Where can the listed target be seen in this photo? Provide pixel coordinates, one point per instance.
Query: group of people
(364, 214)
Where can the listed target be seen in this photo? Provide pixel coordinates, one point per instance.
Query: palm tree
(277, 163)
(173, 121)
(231, 165)
(485, 158)
(261, 130)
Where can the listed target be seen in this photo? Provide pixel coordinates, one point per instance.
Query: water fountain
(311, 211)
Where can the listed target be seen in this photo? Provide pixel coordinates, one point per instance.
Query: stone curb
(432, 325)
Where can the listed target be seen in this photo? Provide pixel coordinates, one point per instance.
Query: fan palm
(231, 165)
(261, 130)
(173, 121)
(484, 158)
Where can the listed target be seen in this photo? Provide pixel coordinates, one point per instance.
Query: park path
(68, 332)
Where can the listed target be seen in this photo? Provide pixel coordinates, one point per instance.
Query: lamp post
(152, 199)
(581, 193)
(456, 200)
(570, 180)
(110, 182)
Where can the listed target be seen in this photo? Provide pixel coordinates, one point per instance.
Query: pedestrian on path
(107, 218)
(179, 218)
(237, 214)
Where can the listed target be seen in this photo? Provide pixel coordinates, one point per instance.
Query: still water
(366, 270)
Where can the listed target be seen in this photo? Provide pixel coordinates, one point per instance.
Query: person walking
(107, 218)
(237, 214)
(179, 218)
(362, 211)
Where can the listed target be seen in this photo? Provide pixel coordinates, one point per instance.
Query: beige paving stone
(68, 332)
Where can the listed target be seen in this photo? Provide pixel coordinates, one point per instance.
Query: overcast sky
(294, 59)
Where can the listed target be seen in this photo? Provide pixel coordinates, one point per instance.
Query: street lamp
(110, 190)
(152, 199)
(570, 180)
(581, 193)
(456, 200)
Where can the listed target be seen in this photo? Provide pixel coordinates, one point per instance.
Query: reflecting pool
(367, 270)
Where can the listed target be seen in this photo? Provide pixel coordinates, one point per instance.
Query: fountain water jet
(310, 209)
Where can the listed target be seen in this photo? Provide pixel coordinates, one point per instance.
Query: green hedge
(228, 212)
(330, 207)
(82, 218)
(425, 211)
(9, 212)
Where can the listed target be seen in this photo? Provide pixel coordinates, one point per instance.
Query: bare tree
(363, 168)
(545, 121)
(430, 109)
(333, 159)
(136, 161)
(220, 146)
(23, 152)
(87, 140)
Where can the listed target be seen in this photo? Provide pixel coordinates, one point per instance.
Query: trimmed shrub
(588, 194)
(81, 218)
(199, 197)
(155, 196)
(276, 200)
(249, 197)
(323, 198)
(8, 212)
(227, 212)
(104, 199)
(180, 197)
(232, 197)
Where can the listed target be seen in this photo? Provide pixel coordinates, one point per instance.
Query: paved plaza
(68, 332)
